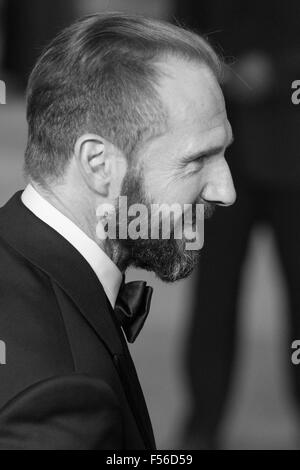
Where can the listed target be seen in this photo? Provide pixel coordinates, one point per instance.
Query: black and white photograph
(149, 231)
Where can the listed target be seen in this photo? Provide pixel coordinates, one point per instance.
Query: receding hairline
(169, 67)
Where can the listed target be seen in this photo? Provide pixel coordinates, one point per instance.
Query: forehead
(194, 101)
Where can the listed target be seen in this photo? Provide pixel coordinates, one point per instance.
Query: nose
(219, 188)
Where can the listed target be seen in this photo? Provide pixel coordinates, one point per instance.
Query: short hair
(99, 76)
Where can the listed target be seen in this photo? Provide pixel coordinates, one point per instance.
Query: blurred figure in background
(262, 44)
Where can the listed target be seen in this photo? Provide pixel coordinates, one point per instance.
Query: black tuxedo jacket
(69, 381)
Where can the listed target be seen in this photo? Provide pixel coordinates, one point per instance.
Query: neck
(82, 212)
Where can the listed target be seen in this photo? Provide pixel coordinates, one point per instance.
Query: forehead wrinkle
(195, 130)
(209, 127)
(213, 137)
(201, 114)
(218, 133)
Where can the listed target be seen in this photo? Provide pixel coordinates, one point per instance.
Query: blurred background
(214, 355)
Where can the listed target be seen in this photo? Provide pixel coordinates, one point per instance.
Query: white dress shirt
(107, 272)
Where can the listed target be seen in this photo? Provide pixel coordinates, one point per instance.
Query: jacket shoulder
(31, 326)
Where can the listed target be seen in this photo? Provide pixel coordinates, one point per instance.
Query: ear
(94, 162)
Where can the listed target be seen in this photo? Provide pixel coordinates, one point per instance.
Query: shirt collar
(107, 272)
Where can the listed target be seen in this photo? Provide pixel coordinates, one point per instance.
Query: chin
(169, 269)
(176, 273)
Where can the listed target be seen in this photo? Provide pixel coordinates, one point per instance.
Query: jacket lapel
(50, 252)
(134, 393)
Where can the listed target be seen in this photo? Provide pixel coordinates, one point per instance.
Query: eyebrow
(208, 152)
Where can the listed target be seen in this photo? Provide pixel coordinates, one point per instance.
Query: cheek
(158, 171)
(158, 184)
(187, 191)
(164, 183)
(170, 189)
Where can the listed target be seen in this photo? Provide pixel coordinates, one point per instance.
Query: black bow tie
(132, 307)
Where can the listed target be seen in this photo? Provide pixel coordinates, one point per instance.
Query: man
(117, 106)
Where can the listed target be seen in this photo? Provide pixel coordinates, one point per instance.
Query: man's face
(185, 165)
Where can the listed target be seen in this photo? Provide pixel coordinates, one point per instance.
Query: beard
(167, 258)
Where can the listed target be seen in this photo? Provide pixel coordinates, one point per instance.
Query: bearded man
(117, 106)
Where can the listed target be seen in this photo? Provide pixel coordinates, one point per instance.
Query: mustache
(209, 207)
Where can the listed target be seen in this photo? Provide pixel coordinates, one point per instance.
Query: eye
(197, 164)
